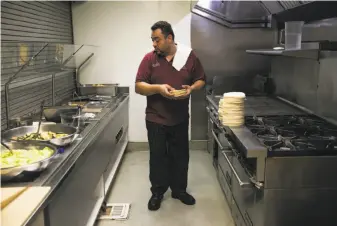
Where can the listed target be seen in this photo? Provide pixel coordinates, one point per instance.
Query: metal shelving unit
(41, 65)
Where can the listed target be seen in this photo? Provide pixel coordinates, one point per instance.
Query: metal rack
(45, 63)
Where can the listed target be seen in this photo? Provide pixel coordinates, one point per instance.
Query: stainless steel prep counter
(80, 177)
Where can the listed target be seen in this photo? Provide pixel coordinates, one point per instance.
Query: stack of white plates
(231, 109)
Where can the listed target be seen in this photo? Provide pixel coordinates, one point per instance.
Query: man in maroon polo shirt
(167, 117)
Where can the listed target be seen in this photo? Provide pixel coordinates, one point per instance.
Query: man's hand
(164, 90)
(146, 89)
(185, 95)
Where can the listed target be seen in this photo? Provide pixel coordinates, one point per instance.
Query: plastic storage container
(293, 34)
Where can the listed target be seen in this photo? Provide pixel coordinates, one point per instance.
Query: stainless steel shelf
(308, 53)
(310, 50)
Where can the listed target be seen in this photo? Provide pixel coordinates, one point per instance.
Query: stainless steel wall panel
(303, 208)
(296, 80)
(222, 53)
(327, 88)
(314, 172)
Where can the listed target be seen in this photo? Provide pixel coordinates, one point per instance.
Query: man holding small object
(167, 76)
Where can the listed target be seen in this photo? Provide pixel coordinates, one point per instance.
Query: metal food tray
(56, 128)
(99, 89)
(96, 104)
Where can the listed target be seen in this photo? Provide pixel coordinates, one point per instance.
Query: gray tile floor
(132, 186)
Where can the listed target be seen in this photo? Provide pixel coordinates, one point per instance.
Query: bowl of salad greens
(24, 156)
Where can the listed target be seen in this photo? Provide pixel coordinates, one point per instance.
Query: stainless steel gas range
(254, 105)
(279, 169)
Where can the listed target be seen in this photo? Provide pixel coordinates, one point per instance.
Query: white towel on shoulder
(181, 56)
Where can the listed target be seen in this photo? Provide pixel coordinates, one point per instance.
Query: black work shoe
(184, 197)
(154, 202)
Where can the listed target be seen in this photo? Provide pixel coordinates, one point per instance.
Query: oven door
(224, 171)
(244, 191)
(239, 191)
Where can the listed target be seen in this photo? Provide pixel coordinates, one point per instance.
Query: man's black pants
(169, 157)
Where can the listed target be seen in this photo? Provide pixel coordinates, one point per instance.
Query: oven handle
(214, 112)
(217, 140)
(212, 120)
(215, 122)
(241, 183)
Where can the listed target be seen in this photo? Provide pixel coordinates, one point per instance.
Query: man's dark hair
(165, 28)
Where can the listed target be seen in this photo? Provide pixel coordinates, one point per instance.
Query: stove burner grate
(294, 133)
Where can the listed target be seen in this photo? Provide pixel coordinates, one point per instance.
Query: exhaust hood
(259, 14)
(234, 14)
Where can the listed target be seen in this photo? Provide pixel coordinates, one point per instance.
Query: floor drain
(115, 211)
